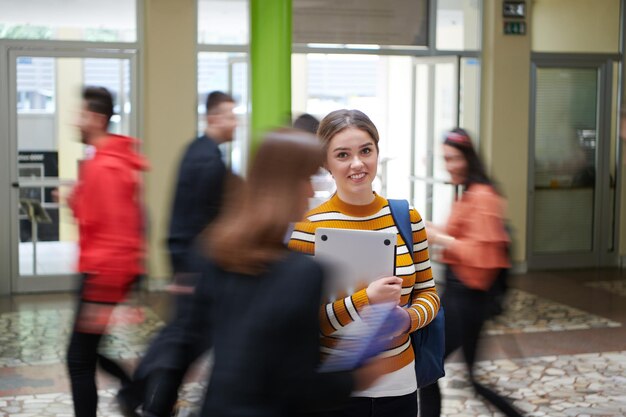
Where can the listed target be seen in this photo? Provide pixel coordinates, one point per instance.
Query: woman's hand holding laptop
(385, 290)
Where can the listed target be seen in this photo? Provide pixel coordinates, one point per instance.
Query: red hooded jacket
(107, 206)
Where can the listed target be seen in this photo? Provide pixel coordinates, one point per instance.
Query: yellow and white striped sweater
(419, 296)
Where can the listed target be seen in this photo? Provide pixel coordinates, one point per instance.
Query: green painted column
(270, 66)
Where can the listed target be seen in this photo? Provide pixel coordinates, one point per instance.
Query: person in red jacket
(107, 206)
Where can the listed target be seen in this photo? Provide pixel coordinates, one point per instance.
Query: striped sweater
(419, 296)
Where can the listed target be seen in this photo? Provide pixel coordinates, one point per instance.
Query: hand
(365, 376)
(437, 236)
(404, 321)
(385, 290)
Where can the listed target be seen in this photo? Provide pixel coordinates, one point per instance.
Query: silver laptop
(354, 258)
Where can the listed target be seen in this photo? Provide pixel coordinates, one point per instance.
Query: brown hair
(99, 100)
(249, 233)
(339, 120)
(215, 98)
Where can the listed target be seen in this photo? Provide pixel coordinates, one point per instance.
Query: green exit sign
(515, 28)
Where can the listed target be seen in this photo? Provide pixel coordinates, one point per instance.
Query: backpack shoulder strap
(400, 212)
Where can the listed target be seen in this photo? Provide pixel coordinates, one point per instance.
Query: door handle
(15, 184)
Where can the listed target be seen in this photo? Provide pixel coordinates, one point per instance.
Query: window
(223, 22)
(85, 20)
(458, 25)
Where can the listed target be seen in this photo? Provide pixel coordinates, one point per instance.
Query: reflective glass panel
(458, 25)
(565, 159)
(223, 22)
(50, 151)
(227, 72)
(84, 20)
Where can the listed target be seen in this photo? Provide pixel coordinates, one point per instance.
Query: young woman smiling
(350, 141)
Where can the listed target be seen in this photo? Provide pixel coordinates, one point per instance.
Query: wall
(575, 26)
(69, 82)
(504, 116)
(169, 110)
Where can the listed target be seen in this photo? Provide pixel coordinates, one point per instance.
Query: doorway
(572, 184)
(44, 152)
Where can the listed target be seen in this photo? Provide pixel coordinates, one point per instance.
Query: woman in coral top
(474, 246)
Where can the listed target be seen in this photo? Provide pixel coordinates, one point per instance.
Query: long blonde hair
(249, 233)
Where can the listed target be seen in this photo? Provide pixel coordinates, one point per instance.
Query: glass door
(436, 110)
(572, 181)
(45, 151)
(238, 88)
(228, 72)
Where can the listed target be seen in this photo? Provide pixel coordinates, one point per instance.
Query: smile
(357, 176)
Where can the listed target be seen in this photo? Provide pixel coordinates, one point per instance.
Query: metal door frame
(429, 179)
(600, 255)
(10, 51)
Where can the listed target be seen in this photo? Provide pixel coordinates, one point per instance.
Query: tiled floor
(559, 350)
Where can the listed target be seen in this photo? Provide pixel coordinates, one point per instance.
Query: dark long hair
(476, 174)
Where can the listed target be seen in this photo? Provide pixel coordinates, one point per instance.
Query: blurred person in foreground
(474, 245)
(260, 301)
(106, 203)
(350, 142)
(197, 201)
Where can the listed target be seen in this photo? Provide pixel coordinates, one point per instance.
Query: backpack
(428, 342)
(496, 295)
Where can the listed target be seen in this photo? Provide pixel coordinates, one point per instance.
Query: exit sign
(515, 28)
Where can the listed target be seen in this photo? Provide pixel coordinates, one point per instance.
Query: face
(89, 124)
(456, 164)
(224, 121)
(352, 159)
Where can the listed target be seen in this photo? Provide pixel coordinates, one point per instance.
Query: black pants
(82, 358)
(402, 406)
(160, 373)
(465, 317)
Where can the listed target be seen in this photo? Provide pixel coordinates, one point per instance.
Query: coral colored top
(480, 247)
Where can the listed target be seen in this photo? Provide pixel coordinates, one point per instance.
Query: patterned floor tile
(591, 385)
(40, 337)
(554, 386)
(526, 313)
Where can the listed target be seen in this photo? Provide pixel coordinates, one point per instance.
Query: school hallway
(558, 350)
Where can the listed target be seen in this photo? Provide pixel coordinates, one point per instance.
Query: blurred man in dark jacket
(198, 194)
(197, 200)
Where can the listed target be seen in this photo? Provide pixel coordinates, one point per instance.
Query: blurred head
(95, 113)
(249, 233)
(307, 122)
(462, 162)
(220, 116)
(350, 142)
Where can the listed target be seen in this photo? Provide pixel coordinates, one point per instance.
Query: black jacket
(265, 332)
(197, 199)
